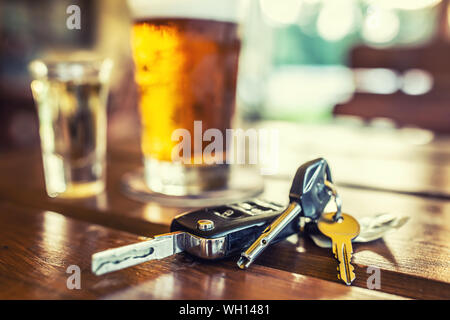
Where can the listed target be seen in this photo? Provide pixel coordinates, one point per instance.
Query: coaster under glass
(244, 183)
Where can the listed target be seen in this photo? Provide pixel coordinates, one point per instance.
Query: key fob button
(205, 225)
(246, 205)
(228, 213)
(256, 211)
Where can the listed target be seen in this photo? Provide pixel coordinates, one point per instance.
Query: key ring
(337, 200)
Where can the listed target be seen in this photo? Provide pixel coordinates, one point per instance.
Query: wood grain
(22, 181)
(414, 261)
(37, 247)
(408, 160)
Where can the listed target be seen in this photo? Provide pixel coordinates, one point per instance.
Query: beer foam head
(220, 10)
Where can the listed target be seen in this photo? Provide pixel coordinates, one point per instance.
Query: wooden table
(41, 237)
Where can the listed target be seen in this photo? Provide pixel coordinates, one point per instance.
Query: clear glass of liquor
(70, 92)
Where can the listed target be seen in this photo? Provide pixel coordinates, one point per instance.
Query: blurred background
(381, 63)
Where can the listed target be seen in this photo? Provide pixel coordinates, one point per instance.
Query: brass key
(341, 233)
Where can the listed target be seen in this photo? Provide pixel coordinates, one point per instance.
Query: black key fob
(309, 188)
(229, 229)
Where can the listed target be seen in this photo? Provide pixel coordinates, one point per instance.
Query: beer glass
(186, 61)
(70, 93)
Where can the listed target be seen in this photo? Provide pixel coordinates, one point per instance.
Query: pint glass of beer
(186, 61)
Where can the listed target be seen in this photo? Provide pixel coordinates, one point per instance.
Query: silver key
(341, 233)
(209, 233)
(268, 235)
(308, 196)
(156, 248)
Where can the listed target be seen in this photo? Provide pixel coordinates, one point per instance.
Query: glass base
(242, 183)
(80, 190)
(177, 179)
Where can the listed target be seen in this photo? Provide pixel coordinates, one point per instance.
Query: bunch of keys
(310, 193)
(247, 227)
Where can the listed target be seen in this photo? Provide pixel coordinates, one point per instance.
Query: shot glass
(71, 93)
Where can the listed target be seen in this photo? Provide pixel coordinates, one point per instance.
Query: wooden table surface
(40, 237)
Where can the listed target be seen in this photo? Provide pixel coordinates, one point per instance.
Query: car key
(309, 194)
(341, 233)
(208, 233)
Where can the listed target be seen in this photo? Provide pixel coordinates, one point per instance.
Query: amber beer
(186, 63)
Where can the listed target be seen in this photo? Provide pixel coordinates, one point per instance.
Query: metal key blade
(343, 251)
(268, 235)
(341, 233)
(119, 258)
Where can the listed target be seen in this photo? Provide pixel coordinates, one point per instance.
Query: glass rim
(223, 11)
(71, 67)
